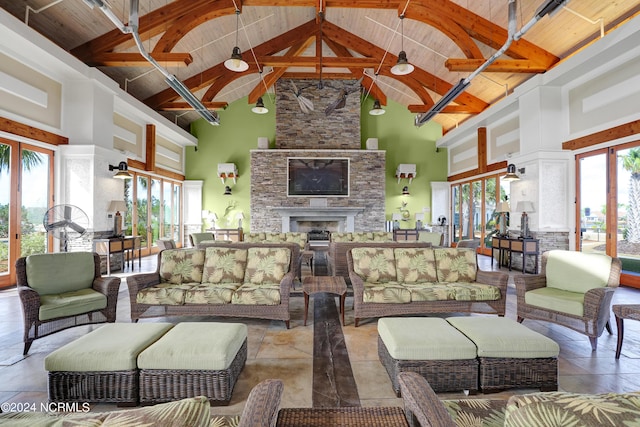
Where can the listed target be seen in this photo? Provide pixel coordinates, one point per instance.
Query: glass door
(592, 202)
(23, 167)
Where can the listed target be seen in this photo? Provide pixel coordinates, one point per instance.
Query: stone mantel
(345, 214)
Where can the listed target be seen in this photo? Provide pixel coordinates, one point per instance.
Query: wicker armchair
(62, 290)
(573, 289)
(261, 409)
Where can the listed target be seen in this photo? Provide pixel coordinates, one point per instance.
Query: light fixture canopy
(235, 63)
(377, 109)
(402, 67)
(123, 171)
(260, 108)
(511, 174)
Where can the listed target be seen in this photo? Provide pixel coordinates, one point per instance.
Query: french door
(474, 210)
(26, 192)
(153, 210)
(608, 205)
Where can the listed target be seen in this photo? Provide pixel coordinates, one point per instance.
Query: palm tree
(631, 163)
(30, 159)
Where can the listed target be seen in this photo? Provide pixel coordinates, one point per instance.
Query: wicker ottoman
(193, 359)
(101, 366)
(432, 348)
(510, 354)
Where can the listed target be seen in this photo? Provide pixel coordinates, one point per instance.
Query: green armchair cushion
(71, 303)
(557, 300)
(560, 408)
(201, 237)
(224, 265)
(57, 273)
(267, 265)
(415, 265)
(431, 237)
(374, 265)
(577, 271)
(180, 266)
(456, 264)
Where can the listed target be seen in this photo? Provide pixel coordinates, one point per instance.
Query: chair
(261, 409)
(166, 244)
(436, 239)
(195, 238)
(573, 289)
(468, 243)
(62, 290)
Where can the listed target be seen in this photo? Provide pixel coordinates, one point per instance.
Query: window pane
(628, 220)
(593, 202)
(35, 178)
(490, 215)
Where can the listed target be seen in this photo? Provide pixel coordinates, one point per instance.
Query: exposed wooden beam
(20, 129)
(449, 109)
(617, 132)
(313, 61)
(498, 66)
(150, 148)
(133, 59)
(494, 167)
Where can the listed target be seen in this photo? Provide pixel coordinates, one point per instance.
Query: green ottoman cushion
(195, 345)
(423, 338)
(112, 347)
(500, 337)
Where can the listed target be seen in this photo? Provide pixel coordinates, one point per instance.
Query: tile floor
(277, 352)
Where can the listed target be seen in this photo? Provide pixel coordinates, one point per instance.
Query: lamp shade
(525, 206)
(260, 108)
(511, 174)
(117, 206)
(503, 207)
(377, 109)
(396, 216)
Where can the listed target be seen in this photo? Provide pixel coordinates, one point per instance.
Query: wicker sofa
(390, 281)
(423, 408)
(223, 279)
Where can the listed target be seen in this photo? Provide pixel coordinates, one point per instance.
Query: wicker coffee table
(330, 284)
(347, 416)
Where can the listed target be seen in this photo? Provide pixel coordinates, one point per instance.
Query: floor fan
(65, 222)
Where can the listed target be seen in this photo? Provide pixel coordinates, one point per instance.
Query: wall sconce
(405, 191)
(123, 171)
(227, 170)
(117, 206)
(227, 190)
(260, 108)
(511, 174)
(377, 109)
(525, 207)
(240, 217)
(406, 170)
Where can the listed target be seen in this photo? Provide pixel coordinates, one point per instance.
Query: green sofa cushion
(456, 264)
(224, 265)
(210, 293)
(386, 293)
(424, 338)
(257, 294)
(181, 265)
(476, 412)
(557, 300)
(164, 294)
(459, 291)
(572, 409)
(71, 303)
(577, 271)
(50, 274)
(341, 237)
(505, 338)
(374, 265)
(253, 237)
(112, 347)
(191, 412)
(195, 345)
(267, 265)
(415, 265)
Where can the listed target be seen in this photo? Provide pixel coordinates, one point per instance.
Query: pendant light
(235, 63)
(402, 67)
(260, 108)
(377, 109)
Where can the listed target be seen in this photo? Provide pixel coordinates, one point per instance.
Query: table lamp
(525, 207)
(117, 206)
(502, 208)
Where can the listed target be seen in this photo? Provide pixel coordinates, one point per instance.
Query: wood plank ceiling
(445, 40)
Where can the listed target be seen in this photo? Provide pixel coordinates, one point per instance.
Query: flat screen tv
(315, 176)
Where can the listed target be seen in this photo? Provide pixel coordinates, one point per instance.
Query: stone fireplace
(317, 135)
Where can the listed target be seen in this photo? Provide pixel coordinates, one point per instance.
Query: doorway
(26, 193)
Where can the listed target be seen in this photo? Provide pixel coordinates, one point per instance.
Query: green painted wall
(238, 134)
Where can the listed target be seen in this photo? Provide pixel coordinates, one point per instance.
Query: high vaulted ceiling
(446, 40)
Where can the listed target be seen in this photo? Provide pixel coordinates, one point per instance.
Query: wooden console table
(507, 246)
(125, 245)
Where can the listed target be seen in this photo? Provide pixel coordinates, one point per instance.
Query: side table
(624, 311)
(330, 284)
